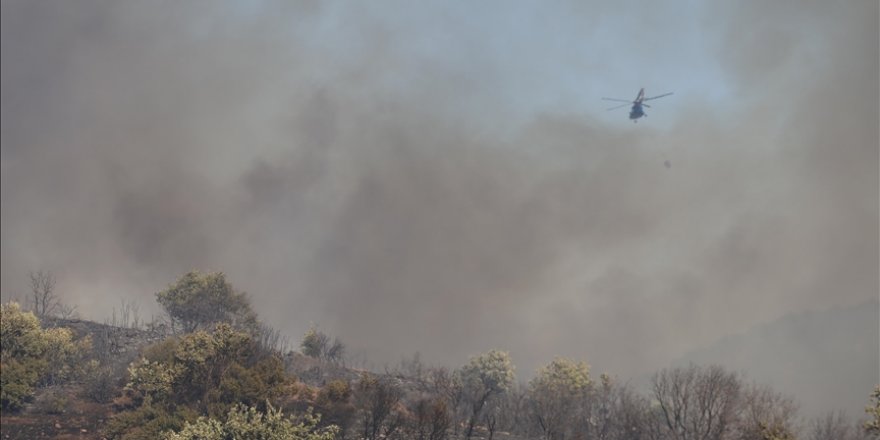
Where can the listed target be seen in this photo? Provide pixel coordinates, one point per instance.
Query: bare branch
(43, 298)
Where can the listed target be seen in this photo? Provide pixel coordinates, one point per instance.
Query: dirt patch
(78, 419)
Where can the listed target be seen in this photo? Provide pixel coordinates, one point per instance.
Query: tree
(314, 343)
(513, 410)
(558, 395)
(376, 398)
(833, 426)
(430, 419)
(765, 414)
(628, 413)
(244, 422)
(334, 404)
(695, 403)
(317, 344)
(483, 378)
(199, 301)
(446, 386)
(31, 356)
(43, 298)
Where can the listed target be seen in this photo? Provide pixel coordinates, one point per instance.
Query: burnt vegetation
(210, 369)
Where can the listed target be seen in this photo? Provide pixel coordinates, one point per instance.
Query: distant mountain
(828, 360)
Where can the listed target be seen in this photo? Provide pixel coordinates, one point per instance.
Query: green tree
(31, 356)
(558, 394)
(317, 344)
(483, 378)
(201, 300)
(249, 423)
(563, 375)
(314, 343)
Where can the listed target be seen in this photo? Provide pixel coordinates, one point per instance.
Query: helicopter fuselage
(636, 112)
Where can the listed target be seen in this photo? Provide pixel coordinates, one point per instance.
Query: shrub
(334, 403)
(100, 385)
(335, 391)
(207, 373)
(53, 401)
(31, 356)
(152, 380)
(249, 423)
(147, 422)
(17, 380)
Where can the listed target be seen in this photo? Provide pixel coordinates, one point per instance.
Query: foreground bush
(147, 422)
(209, 371)
(249, 423)
(31, 356)
(197, 374)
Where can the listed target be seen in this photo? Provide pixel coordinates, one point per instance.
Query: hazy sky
(444, 177)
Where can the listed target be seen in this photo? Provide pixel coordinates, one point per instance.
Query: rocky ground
(57, 413)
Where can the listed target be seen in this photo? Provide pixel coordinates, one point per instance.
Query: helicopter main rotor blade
(617, 107)
(646, 105)
(658, 96)
(618, 100)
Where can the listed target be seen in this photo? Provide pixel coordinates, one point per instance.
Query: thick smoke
(395, 197)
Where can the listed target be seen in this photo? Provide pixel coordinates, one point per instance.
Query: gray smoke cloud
(392, 198)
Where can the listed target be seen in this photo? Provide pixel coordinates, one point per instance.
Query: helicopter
(636, 111)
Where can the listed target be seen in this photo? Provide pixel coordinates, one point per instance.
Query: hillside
(68, 411)
(225, 370)
(73, 411)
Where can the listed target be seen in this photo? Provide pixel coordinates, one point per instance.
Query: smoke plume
(405, 199)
